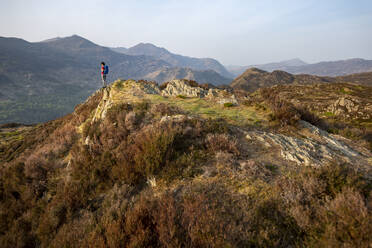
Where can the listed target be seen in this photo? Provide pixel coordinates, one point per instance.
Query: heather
(152, 171)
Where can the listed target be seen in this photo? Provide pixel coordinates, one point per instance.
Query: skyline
(233, 32)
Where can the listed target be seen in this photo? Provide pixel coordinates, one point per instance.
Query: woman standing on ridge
(104, 72)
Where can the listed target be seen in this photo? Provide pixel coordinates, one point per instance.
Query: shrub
(216, 126)
(164, 109)
(325, 200)
(222, 142)
(192, 83)
(153, 150)
(84, 110)
(285, 113)
(140, 225)
(288, 114)
(167, 217)
(307, 115)
(19, 235)
(163, 85)
(346, 220)
(181, 96)
(207, 86)
(142, 81)
(228, 105)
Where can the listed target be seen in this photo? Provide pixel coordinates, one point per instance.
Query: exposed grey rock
(344, 105)
(174, 118)
(147, 87)
(181, 87)
(315, 150)
(221, 96)
(104, 105)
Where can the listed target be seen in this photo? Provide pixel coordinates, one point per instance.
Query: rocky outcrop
(344, 105)
(351, 107)
(141, 87)
(126, 91)
(221, 96)
(104, 105)
(181, 87)
(317, 149)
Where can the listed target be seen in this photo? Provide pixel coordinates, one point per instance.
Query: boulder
(221, 96)
(344, 105)
(181, 87)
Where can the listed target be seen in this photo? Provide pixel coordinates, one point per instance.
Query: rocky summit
(188, 165)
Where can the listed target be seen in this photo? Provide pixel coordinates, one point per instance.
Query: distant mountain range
(254, 78)
(40, 81)
(175, 60)
(297, 66)
(37, 68)
(44, 80)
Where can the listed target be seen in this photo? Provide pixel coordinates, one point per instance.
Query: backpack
(106, 70)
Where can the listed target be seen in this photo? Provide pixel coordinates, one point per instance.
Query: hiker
(104, 72)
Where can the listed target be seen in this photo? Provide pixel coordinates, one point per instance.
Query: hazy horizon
(234, 32)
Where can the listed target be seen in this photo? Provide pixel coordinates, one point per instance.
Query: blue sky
(232, 31)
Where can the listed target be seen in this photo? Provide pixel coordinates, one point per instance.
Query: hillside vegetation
(187, 165)
(253, 79)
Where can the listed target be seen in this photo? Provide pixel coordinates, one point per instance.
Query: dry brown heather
(162, 172)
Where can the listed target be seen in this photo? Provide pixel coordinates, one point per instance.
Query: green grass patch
(239, 115)
(346, 91)
(9, 134)
(119, 84)
(329, 114)
(228, 105)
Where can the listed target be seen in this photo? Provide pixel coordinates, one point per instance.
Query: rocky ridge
(120, 91)
(137, 162)
(310, 147)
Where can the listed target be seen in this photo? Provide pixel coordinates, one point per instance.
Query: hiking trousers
(104, 79)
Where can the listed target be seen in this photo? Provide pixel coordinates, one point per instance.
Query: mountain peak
(294, 62)
(52, 39)
(253, 70)
(146, 44)
(73, 41)
(147, 49)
